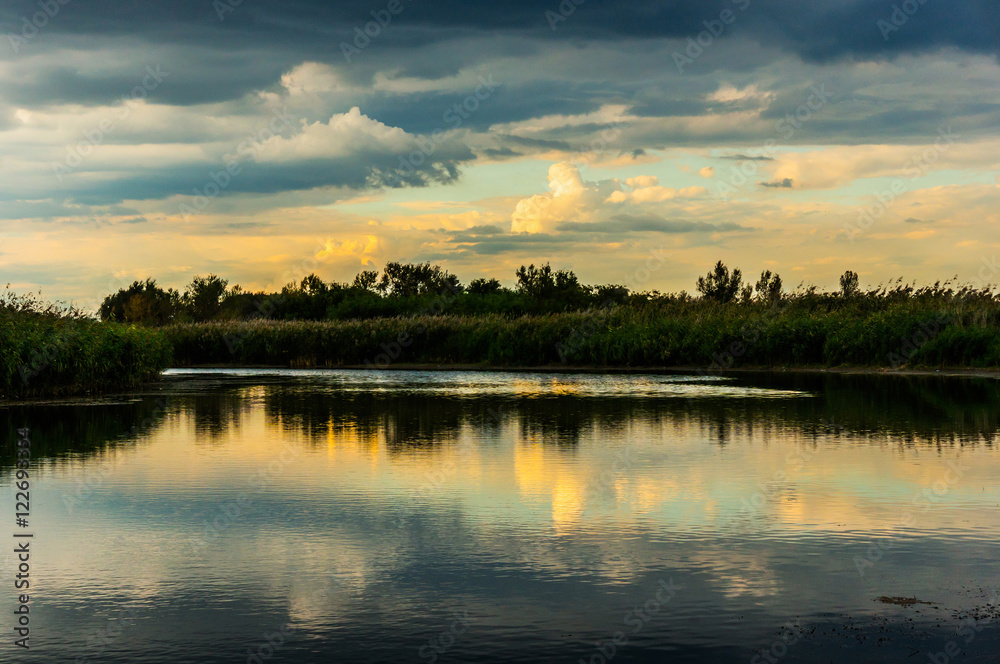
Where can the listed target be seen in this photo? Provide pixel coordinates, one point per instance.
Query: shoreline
(953, 372)
(130, 395)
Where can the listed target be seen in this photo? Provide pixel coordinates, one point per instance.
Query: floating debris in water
(902, 601)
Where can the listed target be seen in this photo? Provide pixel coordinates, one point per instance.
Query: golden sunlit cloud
(573, 200)
(365, 249)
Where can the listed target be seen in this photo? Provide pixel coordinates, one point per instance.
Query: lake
(406, 516)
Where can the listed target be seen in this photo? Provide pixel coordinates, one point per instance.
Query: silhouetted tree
(611, 293)
(366, 280)
(769, 287)
(484, 286)
(143, 302)
(537, 282)
(719, 285)
(313, 285)
(404, 280)
(849, 286)
(203, 297)
(561, 289)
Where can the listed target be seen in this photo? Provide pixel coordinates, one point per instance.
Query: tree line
(403, 289)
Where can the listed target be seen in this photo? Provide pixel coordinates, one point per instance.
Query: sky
(635, 143)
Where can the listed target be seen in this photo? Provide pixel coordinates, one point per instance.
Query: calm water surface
(328, 516)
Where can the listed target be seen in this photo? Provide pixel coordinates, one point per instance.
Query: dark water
(505, 517)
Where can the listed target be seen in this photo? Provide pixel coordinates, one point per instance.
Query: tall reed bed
(47, 351)
(807, 330)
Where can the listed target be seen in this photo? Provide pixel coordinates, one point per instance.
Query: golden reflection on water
(661, 471)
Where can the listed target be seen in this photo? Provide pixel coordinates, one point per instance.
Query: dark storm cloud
(746, 157)
(778, 184)
(873, 28)
(425, 112)
(575, 233)
(170, 19)
(536, 143)
(626, 223)
(38, 209)
(363, 169)
(500, 153)
(815, 30)
(649, 104)
(248, 50)
(188, 79)
(520, 242)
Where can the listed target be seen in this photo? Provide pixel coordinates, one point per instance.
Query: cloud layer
(452, 132)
